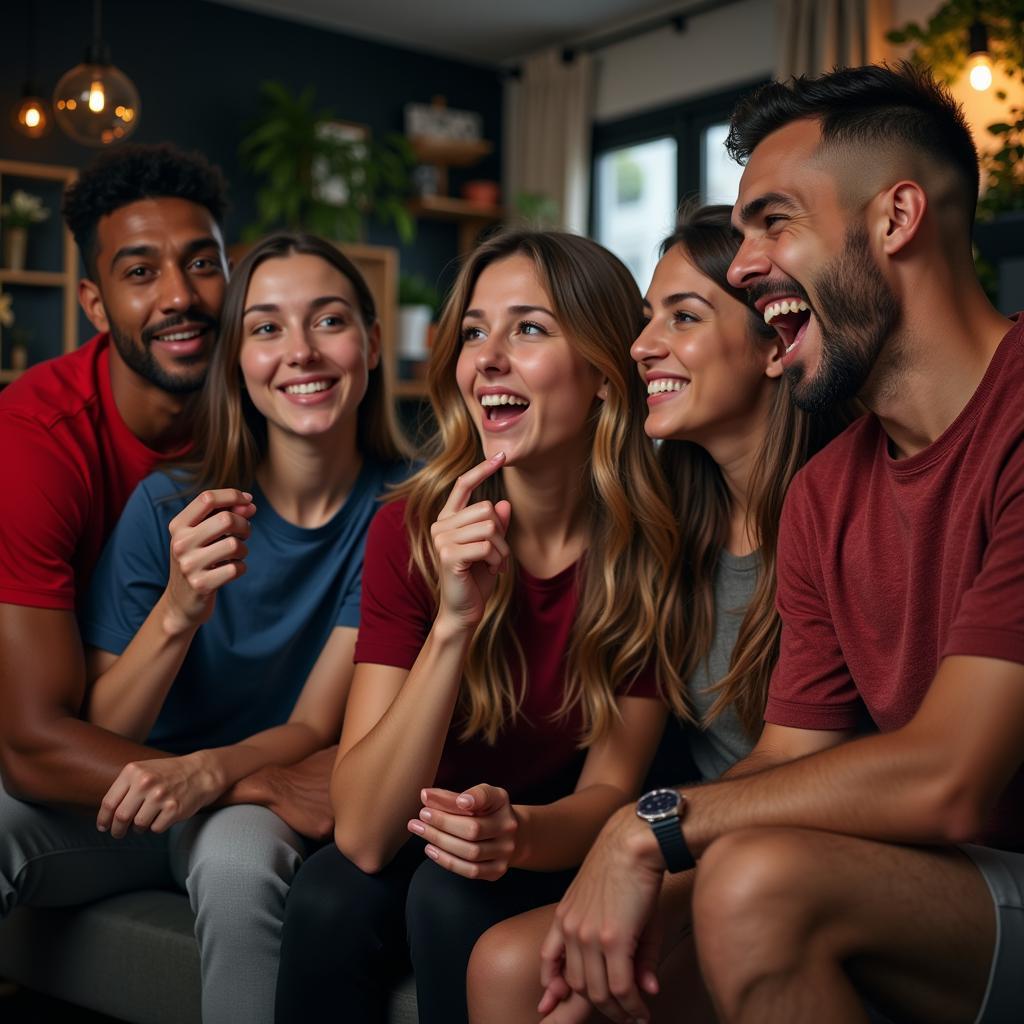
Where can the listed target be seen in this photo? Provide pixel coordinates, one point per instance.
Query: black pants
(349, 936)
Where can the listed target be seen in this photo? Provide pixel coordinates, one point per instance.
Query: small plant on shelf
(23, 210)
(293, 154)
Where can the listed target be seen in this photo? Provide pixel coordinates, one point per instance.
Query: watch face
(659, 803)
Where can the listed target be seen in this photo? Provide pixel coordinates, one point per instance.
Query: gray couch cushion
(131, 956)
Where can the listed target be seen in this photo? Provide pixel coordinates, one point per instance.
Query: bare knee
(503, 981)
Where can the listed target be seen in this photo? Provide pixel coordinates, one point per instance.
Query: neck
(930, 369)
(160, 420)
(308, 479)
(548, 527)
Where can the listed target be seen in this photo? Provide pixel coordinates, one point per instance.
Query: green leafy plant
(293, 155)
(23, 210)
(537, 209)
(941, 43)
(1003, 171)
(414, 290)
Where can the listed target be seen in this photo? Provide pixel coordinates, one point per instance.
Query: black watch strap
(669, 834)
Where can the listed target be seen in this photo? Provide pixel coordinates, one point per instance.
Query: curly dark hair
(872, 105)
(134, 172)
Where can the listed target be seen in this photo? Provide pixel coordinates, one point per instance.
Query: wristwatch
(663, 810)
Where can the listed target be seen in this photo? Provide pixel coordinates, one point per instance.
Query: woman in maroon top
(511, 654)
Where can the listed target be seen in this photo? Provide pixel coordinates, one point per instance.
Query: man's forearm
(73, 762)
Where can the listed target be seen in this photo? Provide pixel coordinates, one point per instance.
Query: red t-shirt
(537, 759)
(68, 463)
(888, 566)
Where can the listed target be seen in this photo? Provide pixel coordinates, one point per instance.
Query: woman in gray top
(731, 442)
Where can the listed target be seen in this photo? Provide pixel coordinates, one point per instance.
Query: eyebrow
(150, 251)
(318, 303)
(750, 210)
(674, 300)
(478, 314)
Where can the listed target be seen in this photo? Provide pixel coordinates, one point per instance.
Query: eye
(531, 329)
(472, 334)
(683, 316)
(205, 265)
(773, 219)
(330, 320)
(263, 330)
(138, 273)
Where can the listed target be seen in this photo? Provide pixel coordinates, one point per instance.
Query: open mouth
(789, 316)
(503, 408)
(306, 391)
(661, 388)
(185, 340)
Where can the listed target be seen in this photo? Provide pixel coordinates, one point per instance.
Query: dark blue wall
(198, 67)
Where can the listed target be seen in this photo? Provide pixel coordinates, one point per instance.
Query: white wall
(718, 50)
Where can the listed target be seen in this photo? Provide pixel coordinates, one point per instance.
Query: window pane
(636, 203)
(720, 174)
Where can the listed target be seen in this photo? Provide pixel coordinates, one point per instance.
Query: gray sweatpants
(236, 865)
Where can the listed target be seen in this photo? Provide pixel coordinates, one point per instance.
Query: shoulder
(388, 524)
(838, 466)
(159, 496)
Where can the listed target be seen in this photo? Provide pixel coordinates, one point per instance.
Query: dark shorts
(1004, 874)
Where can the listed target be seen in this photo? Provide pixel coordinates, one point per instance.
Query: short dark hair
(873, 104)
(129, 173)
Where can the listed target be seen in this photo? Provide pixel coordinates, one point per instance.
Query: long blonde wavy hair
(620, 626)
(702, 503)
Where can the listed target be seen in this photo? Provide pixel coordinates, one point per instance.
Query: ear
(373, 346)
(91, 301)
(901, 213)
(602, 391)
(774, 351)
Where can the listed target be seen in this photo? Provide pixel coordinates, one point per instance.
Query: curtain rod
(677, 20)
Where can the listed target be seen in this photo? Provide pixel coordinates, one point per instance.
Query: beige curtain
(815, 36)
(548, 113)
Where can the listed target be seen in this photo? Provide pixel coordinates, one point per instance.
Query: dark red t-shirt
(68, 463)
(888, 566)
(537, 759)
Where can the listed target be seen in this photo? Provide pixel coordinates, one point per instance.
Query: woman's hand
(472, 834)
(153, 795)
(471, 547)
(207, 550)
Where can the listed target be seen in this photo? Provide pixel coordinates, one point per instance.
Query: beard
(138, 355)
(857, 313)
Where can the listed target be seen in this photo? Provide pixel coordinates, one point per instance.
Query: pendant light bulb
(979, 63)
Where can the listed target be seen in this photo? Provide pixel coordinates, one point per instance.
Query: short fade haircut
(866, 105)
(130, 173)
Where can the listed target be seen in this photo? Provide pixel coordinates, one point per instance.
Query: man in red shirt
(868, 851)
(77, 434)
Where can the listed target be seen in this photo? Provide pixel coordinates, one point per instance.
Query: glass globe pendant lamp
(96, 103)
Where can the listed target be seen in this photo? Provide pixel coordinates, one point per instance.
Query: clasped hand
(207, 550)
(472, 834)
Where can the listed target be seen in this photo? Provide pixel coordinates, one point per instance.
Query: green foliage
(1002, 172)
(941, 43)
(414, 290)
(537, 209)
(289, 151)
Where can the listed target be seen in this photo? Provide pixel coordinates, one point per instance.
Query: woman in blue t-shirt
(222, 616)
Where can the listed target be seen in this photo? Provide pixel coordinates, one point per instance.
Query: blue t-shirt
(247, 665)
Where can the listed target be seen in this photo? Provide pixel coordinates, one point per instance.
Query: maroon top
(537, 759)
(68, 463)
(888, 566)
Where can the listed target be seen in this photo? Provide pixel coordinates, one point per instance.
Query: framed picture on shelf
(329, 186)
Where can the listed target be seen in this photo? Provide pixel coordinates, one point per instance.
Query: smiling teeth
(184, 336)
(775, 309)
(307, 389)
(489, 400)
(663, 384)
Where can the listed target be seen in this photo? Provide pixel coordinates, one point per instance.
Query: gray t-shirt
(717, 748)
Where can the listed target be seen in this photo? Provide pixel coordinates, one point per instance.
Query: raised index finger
(469, 482)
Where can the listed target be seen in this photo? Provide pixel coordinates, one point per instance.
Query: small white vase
(413, 324)
(15, 246)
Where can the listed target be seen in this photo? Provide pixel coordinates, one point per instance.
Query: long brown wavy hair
(702, 503)
(230, 432)
(632, 545)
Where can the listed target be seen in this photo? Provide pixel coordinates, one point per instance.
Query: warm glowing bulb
(97, 101)
(980, 71)
(32, 118)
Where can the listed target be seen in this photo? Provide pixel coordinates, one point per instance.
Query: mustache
(771, 287)
(192, 316)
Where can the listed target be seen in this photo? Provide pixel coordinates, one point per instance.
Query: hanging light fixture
(979, 61)
(31, 115)
(96, 103)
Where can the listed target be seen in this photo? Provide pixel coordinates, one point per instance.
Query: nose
(301, 351)
(492, 355)
(649, 344)
(749, 264)
(178, 292)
